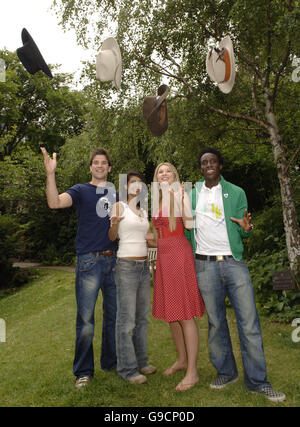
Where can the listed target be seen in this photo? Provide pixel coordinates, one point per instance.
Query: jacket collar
(199, 184)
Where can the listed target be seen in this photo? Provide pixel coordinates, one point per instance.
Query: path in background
(38, 265)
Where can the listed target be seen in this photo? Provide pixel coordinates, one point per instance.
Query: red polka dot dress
(176, 294)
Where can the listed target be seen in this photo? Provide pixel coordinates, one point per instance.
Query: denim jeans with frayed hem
(231, 278)
(133, 304)
(94, 272)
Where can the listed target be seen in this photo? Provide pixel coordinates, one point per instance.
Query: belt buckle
(219, 258)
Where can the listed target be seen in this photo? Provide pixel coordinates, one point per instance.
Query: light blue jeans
(231, 278)
(94, 272)
(133, 303)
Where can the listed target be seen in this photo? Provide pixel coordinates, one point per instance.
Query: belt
(105, 253)
(213, 257)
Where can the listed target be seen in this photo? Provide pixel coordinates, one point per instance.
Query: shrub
(279, 305)
(9, 275)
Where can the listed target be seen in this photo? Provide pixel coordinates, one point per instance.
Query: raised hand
(245, 222)
(50, 164)
(114, 220)
(116, 216)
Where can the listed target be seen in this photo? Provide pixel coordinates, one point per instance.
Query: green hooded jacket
(235, 203)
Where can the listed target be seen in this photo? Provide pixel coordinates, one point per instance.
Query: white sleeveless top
(132, 231)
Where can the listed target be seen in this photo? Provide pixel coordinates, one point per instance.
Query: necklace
(138, 212)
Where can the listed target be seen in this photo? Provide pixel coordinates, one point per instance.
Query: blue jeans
(231, 278)
(133, 303)
(94, 272)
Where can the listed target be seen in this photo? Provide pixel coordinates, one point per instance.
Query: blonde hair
(172, 218)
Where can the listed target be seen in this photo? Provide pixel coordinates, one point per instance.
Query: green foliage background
(162, 41)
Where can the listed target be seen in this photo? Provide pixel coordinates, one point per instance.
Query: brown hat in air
(155, 111)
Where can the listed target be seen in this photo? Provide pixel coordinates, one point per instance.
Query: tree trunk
(291, 226)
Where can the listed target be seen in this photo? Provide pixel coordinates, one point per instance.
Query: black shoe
(274, 396)
(221, 382)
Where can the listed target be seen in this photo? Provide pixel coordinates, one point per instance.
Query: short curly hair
(210, 150)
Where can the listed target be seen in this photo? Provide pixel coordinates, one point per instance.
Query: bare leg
(191, 339)
(181, 362)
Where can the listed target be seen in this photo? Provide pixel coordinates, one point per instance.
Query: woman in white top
(130, 223)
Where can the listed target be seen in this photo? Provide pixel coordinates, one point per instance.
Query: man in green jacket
(221, 222)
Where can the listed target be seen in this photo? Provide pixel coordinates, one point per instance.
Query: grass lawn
(36, 359)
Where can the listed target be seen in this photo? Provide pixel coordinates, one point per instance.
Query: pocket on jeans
(110, 264)
(125, 265)
(200, 266)
(86, 262)
(147, 269)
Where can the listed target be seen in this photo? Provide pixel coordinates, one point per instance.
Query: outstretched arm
(55, 200)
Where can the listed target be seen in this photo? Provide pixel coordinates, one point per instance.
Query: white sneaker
(82, 381)
(148, 369)
(137, 379)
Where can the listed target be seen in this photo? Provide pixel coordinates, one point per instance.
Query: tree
(170, 39)
(36, 109)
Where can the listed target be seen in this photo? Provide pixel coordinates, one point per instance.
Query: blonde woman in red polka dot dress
(176, 296)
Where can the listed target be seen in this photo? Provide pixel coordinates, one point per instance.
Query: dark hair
(210, 150)
(135, 173)
(142, 178)
(100, 152)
